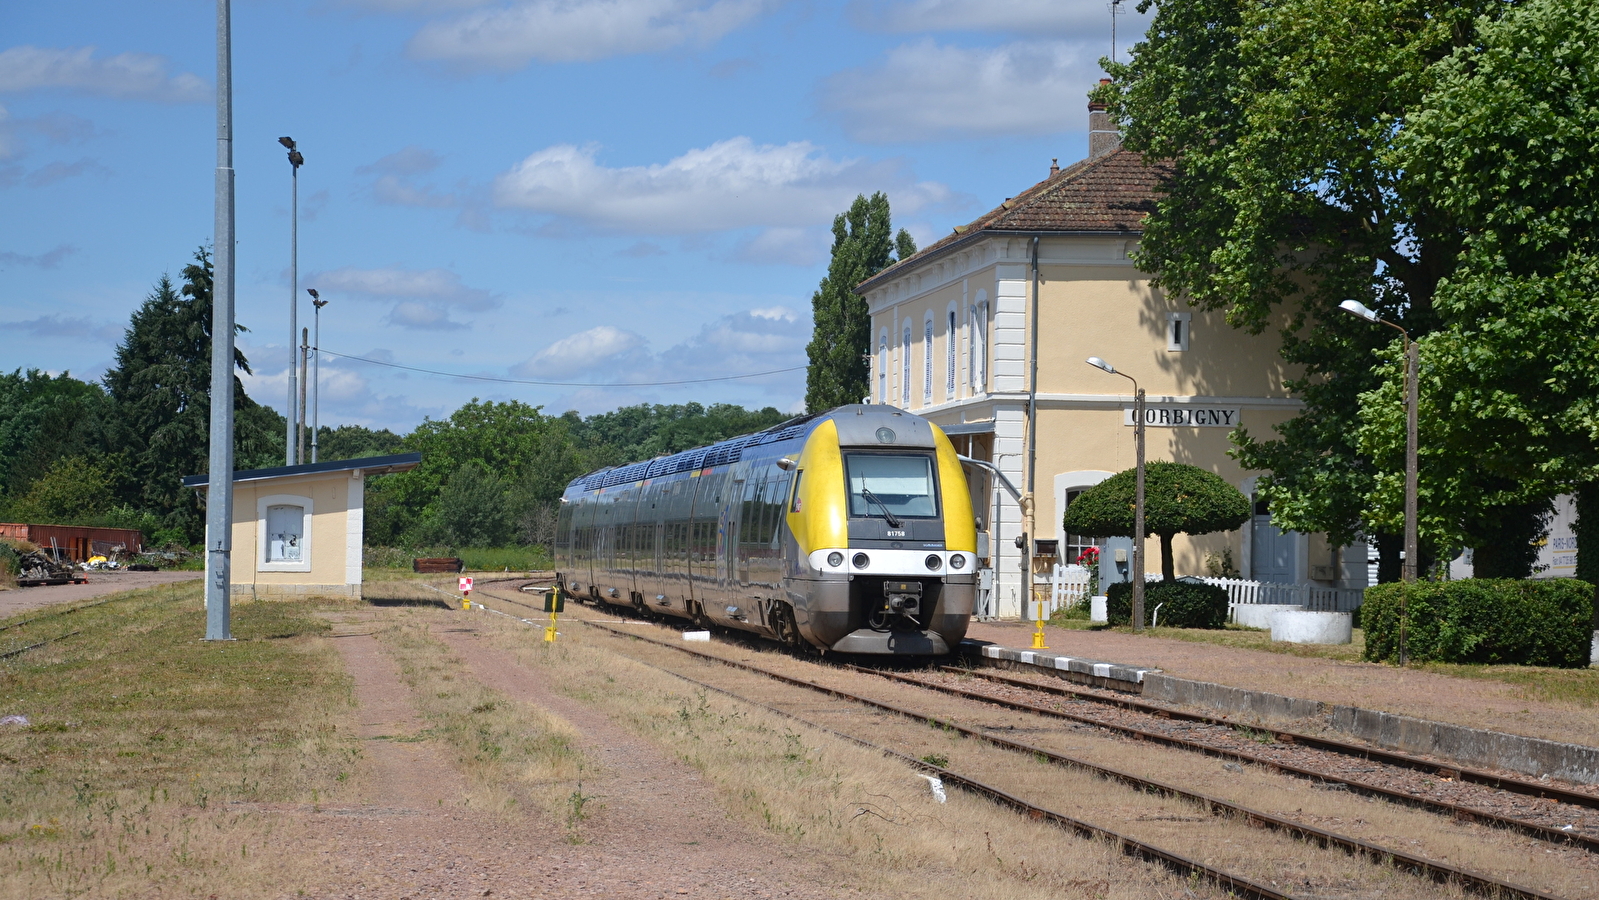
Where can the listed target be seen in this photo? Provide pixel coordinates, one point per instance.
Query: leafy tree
(1505, 146)
(472, 510)
(863, 245)
(635, 433)
(356, 442)
(161, 389)
(1178, 499)
(72, 492)
(1290, 196)
(44, 418)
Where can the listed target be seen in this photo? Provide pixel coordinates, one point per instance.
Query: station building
(298, 531)
(954, 340)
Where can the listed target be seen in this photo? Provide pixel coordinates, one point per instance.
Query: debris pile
(40, 566)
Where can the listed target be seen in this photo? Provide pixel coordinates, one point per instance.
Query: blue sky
(586, 191)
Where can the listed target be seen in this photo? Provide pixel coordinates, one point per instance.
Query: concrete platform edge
(1097, 673)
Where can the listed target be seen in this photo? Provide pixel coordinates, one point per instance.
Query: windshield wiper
(893, 520)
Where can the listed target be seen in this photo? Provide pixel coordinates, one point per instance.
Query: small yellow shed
(297, 530)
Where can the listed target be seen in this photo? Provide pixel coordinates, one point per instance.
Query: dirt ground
(659, 834)
(109, 581)
(1486, 704)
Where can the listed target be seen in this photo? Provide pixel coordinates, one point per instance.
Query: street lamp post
(1138, 493)
(1412, 400)
(291, 456)
(316, 359)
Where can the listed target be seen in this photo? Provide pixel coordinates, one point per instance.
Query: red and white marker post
(466, 591)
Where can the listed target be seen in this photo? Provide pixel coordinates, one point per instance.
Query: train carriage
(851, 531)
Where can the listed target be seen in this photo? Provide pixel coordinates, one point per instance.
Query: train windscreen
(899, 485)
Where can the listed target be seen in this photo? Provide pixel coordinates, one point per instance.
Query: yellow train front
(851, 531)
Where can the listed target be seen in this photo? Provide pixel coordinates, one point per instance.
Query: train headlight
(933, 562)
(835, 559)
(957, 561)
(861, 560)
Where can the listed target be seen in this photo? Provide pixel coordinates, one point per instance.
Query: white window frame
(927, 358)
(1179, 328)
(306, 543)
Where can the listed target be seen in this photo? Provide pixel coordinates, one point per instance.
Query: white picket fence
(1068, 586)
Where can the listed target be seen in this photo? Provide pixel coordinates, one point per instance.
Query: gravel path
(658, 834)
(101, 582)
(1493, 705)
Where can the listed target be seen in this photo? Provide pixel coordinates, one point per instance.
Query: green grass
(1545, 685)
(143, 739)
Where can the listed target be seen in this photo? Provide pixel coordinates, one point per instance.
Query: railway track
(1378, 854)
(1586, 807)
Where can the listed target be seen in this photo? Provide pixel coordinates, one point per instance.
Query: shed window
(285, 534)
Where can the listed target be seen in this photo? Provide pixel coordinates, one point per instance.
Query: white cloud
(59, 171)
(136, 76)
(580, 352)
(73, 328)
(1022, 16)
(730, 184)
(423, 299)
(46, 260)
(509, 37)
(787, 246)
(927, 91)
(411, 160)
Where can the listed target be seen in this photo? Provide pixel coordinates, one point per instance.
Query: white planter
(1300, 627)
(1593, 654)
(1258, 615)
(1096, 609)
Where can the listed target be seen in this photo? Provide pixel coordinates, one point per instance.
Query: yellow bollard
(1038, 636)
(466, 602)
(549, 630)
(554, 603)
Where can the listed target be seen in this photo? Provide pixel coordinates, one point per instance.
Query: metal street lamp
(291, 457)
(1138, 495)
(316, 359)
(1412, 400)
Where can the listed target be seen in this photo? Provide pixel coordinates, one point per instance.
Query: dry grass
(874, 817)
(150, 752)
(517, 758)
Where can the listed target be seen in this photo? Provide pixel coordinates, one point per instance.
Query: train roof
(731, 450)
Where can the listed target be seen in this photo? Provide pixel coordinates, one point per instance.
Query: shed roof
(371, 465)
(1108, 194)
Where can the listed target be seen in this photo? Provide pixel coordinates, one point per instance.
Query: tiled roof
(1109, 194)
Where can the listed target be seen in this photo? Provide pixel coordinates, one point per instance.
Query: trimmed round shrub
(1546, 622)
(1183, 604)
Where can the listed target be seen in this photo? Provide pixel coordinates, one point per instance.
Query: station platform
(1472, 720)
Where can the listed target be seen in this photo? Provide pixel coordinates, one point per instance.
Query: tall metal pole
(316, 376)
(1412, 543)
(304, 346)
(219, 487)
(1029, 516)
(293, 454)
(1138, 509)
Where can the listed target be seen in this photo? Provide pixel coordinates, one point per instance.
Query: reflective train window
(900, 485)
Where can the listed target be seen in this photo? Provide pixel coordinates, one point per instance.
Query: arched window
(927, 360)
(905, 368)
(949, 358)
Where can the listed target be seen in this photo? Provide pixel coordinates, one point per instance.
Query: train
(850, 531)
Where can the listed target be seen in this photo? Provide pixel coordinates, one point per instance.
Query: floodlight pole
(1138, 490)
(219, 484)
(292, 453)
(316, 366)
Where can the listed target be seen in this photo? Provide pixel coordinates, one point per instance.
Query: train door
(679, 519)
(652, 570)
(727, 563)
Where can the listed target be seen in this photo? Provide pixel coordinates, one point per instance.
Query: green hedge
(1547, 622)
(1188, 604)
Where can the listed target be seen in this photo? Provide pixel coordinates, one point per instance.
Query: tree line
(114, 452)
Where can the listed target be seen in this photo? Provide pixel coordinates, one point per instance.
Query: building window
(927, 360)
(283, 522)
(1075, 543)
(905, 368)
(949, 358)
(979, 363)
(1178, 326)
(882, 369)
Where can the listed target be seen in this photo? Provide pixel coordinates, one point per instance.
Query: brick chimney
(1102, 134)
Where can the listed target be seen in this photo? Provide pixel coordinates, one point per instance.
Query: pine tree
(863, 245)
(161, 390)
